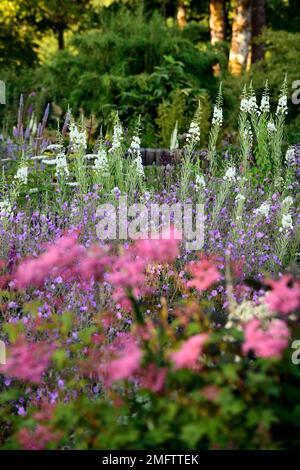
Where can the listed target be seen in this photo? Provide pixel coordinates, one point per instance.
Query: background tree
(241, 37)
(217, 23)
(258, 23)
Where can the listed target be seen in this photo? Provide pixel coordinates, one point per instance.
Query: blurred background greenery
(154, 58)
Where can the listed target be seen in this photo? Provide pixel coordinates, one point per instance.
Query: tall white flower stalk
(78, 144)
(276, 142)
(228, 180)
(245, 132)
(239, 209)
(217, 122)
(115, 154)
(290, 162)
(101, 170)
(286, 227)
(190, 166)
(136, 174)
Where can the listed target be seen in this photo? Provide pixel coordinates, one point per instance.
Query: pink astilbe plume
(124, 361)
(60, 258)
(268, 342)
(284, 296)
(189, 352)
(27, 361)
(37, 439)
(164, 250)
(204, 274)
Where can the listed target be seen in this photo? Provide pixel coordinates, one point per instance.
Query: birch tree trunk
(241, 37)
(217, 21)
(181, 15)
(258, 22)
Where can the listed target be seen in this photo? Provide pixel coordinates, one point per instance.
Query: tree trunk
(61, 39)
(181, 15)
(258, 22)
(241, 37)
(217, 21)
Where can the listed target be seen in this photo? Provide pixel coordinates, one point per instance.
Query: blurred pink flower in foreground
(204, 274)
(164, 250)
(125, 362)
(37, 439)
(284, 296)
(269, 342)
(61, 256)
(189, 352)
(27, 361)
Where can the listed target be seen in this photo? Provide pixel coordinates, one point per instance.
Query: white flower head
(117, 136)
(200, 183)
(5, 208)
(290, 156)
(286, 222)
(282, 105)
(62, 169)
(263, 209)
(240, 198)
(101, 163)
(265, 104)
(230, 174)
(78, 139)
(271, 127)
(217, 116)
(193, 135)
(22, 174)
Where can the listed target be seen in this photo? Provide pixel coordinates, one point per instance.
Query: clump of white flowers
(286, 222)
(246, 311)
(78, 139)
(230, 174)
(217, 116)
(22, 175)
(137, 162)
(54, 148)
(193, 135)
(263, 209)
(62, 169)
(117, 135)
(249, 105)
(271, 127)
(290, 156)
(240, 198)
(265, 103)
(5, 208)
(200, 184)
(287, 202)
(248, 133)
(282, 106)
(101, 163)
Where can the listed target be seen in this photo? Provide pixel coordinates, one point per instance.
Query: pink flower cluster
(124, 361)
(27, 361)
(189, 352)
(265, 342)
(60, 258)
(285, 295)
(129, 270)
(204, 274)
(37, 439)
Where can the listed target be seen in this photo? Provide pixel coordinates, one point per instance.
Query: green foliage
(133, 69)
